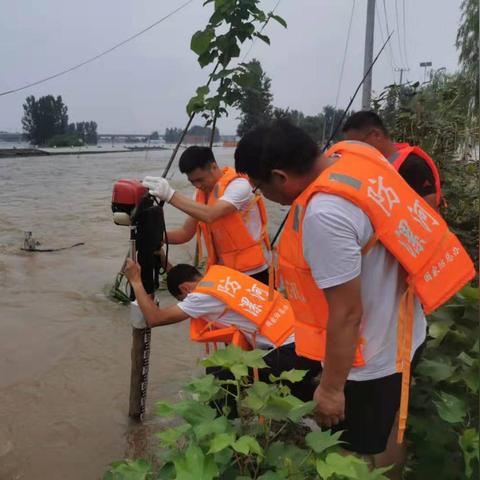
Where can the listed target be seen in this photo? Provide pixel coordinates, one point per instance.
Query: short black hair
(179, 274)
(195, 157)
(280, 145)
(363, 120)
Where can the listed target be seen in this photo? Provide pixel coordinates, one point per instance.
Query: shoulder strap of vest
(229, 174)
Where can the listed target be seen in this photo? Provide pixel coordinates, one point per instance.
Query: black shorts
(370, 410)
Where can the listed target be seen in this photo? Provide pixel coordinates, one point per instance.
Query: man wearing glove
(225, 211)
(229, 307)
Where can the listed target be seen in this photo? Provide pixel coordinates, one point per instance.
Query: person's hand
(132, 271)
(159, 187)
(330, 406)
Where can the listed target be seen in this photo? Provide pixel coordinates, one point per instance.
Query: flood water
(64, 346)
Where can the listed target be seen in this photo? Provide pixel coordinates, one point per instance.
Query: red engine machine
(126, 196)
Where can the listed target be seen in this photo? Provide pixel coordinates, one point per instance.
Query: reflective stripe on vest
(403, 151)
(227, 239)
(248, 297)
(436, 263)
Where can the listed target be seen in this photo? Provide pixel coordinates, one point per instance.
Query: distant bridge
(112, 136)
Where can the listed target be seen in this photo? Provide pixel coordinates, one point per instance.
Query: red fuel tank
(126, 195)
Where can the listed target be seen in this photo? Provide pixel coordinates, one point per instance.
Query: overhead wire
(261, 30)
(342, 68)
(96, 57)
(400, 49)
(390, 56)
(388, 32)
(405, 34)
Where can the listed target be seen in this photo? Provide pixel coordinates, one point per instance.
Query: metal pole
(368, 57)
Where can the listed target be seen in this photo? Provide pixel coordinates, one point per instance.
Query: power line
(340, 80)
(388, 32)
(96, 57)
(390, 56)
(261, 30)
(402, 58)
(405, 34)
(347, 41)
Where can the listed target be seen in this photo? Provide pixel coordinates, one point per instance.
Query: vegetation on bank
(45, 122)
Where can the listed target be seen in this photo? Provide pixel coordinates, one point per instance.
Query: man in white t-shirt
(203, 172)
(182, 280)
(363, 293)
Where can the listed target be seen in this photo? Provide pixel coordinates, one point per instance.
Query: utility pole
(401, 70)
(368, 57)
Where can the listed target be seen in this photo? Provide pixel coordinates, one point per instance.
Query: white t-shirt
(334, 232)
(213, 310)
(239, 193)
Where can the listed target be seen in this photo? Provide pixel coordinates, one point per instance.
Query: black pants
(278, 360)
(261, 276)
(370, 410)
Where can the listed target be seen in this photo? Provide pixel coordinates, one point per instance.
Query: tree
(172, 135)
(467, 44)
(206, 132)
(154, 136)
(256, 100)
(44, 118)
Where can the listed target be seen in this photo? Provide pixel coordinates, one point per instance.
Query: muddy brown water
(64, 346)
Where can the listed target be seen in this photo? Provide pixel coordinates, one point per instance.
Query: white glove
(159, 187)
(137, 319)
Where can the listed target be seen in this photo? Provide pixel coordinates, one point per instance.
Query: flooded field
(64, 346)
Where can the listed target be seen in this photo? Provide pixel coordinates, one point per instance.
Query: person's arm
(200, 211)
(154, 316)
(343, 331)
(183, 234)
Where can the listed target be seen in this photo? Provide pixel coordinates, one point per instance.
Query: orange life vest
(416, 235)
(249, 298)
(227, 239)
(403, 151)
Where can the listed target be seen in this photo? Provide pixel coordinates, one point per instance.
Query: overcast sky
(145, 85)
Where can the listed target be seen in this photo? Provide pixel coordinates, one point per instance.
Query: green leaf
(170, 436)
(450, 408)
(463, 357)
(469, 444)
(194, 412)
(205, 387)
(130, 470)
(298, 412)
(164, 409)
(436, 370)
(221, 441)
(194, 465)
(201, 40)
(363, 472)
(239, 371)
(254, 358)
(279, 19)
(320, 440)
(270, 475)
(219, 425)
(293, 376)
(439, 329)
(264, 38)
(280, 454)
(224, 357)
(247, 444)
(336, 464)
(280, 407)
